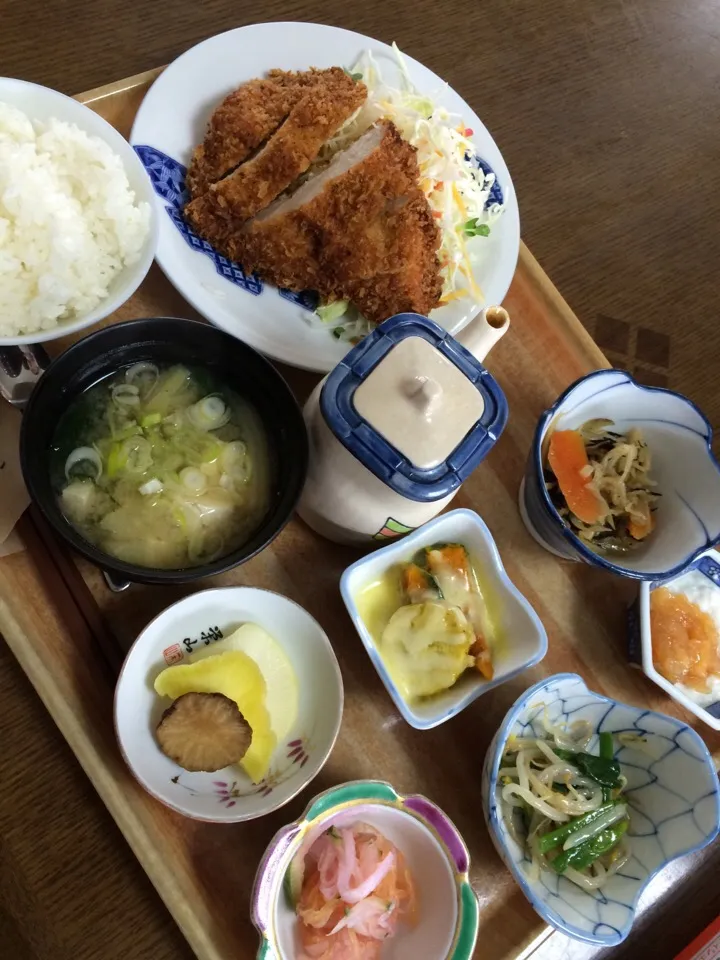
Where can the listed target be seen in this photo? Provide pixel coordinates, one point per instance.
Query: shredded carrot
(459, 201)
(453, 295)
(465, 268)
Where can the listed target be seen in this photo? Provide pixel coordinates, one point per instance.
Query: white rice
(69, 222)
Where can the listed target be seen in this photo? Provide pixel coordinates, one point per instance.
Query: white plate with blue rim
(172, 120)
(672, 794)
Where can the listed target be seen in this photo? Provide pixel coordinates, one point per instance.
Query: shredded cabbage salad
(457, 190)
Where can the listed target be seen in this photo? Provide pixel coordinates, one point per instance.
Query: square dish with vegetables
(440, 619)
(586, 799)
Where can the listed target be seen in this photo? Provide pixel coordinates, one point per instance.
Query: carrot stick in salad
(569, 462)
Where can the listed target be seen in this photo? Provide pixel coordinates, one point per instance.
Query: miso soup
(164, 468)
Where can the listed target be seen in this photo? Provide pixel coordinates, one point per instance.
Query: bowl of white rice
(78, 221)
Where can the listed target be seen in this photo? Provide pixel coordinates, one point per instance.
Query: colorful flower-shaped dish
(435, 853)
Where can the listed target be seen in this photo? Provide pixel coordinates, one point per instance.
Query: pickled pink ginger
(356, 890)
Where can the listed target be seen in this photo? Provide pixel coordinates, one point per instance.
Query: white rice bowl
(75, 237)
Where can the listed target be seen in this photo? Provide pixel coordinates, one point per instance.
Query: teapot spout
(482, 333)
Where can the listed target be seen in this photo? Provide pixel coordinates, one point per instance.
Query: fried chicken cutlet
(247, 120)
(359, 229)
(314, 118)
(411, 282)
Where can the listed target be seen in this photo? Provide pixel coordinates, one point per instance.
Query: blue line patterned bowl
(687, 474)
(672, 793)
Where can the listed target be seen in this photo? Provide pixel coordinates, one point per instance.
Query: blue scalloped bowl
(688, 476)
(672, 793)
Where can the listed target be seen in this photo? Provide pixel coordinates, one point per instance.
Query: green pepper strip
(558, 836)
(607, 752)
(601, 770)
(582, 856)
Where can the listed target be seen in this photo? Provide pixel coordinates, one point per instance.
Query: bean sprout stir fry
(565, 806)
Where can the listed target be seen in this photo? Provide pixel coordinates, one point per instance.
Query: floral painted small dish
(672, 797)
(188, 630)
(435, 854)
(683, 468)
(521, 641)
(700, 584)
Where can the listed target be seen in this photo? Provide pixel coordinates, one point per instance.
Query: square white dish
(708, 567)
(525, 638)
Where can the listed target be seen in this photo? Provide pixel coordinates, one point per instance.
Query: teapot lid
(414, 407)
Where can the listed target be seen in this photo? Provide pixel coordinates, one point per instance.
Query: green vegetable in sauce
(582, 856)
(601, 770)
(555, 838)
(607, 752)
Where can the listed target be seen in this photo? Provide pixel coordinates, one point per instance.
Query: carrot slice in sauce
(483, 660)
(640, 527)
(568, 460)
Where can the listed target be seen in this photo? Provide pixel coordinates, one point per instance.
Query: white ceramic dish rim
(494, 765)
(648, 666)
(275, 805)
(140, 268)
(419, 537)
(277, 350)
(563, 528)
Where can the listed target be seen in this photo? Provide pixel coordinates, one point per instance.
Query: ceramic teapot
(398, 425)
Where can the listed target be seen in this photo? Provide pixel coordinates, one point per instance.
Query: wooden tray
(69, 633)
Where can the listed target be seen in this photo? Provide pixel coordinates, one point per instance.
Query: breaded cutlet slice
(360, 229)
(325, 105)
(340, 201)
(247, 117)
(413, 282)
(242, 122)
(281, 241)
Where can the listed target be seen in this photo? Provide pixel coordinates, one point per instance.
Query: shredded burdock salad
(599, 481)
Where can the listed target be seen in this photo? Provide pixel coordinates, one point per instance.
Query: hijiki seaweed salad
(564, 806)
(599, 481)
